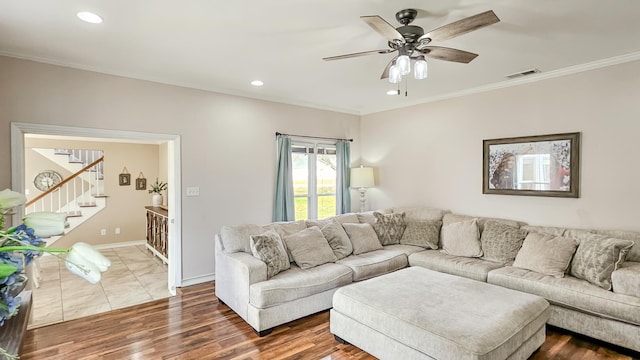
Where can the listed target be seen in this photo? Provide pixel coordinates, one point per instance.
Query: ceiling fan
(412, 43)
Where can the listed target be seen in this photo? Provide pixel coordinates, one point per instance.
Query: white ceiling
(222, 45)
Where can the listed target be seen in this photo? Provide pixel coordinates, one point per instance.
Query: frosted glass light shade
(394, 74)
(404, 63)
(362, 177)
(420, 70)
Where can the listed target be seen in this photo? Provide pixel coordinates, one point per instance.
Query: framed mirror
(544, 165)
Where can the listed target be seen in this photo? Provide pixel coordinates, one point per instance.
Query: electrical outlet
(103, 232)
(117, 231)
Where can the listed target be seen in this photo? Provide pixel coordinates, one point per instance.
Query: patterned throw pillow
(389, 227)
(269, 248)
(546, 254)
(422, 233)
(363, 238)
(500, 242)
(337, 239)
(462, 239)
(597, 257)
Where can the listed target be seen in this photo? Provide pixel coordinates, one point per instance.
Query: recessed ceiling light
(89, 17)
(257, 83)
(392, 92)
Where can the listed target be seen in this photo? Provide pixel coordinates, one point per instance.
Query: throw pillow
(363, 238)
(546, 254)
(389, 227)
(269, 248)
(422, 233)
(309, 248)
(501, 242)
(597, 257)
(236, 238)
(462, 239)
(337, 239)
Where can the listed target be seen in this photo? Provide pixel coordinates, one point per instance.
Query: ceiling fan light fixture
(404, 63)
(420, 69)
(394, 74)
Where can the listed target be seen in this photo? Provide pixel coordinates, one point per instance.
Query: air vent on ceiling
(523, 73)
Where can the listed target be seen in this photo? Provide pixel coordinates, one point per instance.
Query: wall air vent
(523, 73)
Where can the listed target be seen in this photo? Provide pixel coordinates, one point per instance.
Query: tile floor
(135, 276)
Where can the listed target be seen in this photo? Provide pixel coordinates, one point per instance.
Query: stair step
(87, 204)
(99, 196)
(74, 213)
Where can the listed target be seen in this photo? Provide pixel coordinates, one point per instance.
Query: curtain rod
(312, 137)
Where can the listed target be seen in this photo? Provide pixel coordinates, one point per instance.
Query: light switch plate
(193, 191)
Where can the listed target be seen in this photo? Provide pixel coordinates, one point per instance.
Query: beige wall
(227, 142)
(125, 204)
(431, 154)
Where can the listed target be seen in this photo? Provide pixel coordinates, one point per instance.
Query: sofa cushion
(236, 238)
(337, 239)
(269, 248)
(570, 292)
(424, 233)
(626, 280)
(420, 213)
(374, 263)
(550, 230)
(406, 249)
(389, 227)
(363, 238)
(597, 257)
(471, 268)
(296, 283)
(341, 219)
(501, 242)
(309, 248)
(546, 254)
(634, 253)
(461, 239)
(453, 218)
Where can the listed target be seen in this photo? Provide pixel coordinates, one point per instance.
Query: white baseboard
(198, 280)
(120, 244)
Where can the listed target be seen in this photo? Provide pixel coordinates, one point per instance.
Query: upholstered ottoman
(416, 313)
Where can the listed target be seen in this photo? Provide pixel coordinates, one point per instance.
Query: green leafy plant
(158, 187)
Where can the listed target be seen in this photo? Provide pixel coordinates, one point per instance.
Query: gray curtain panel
(343, 162)
(283, 205)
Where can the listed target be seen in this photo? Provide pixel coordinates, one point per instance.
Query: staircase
(80, 195)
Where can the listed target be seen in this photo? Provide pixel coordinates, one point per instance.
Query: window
(314, 180)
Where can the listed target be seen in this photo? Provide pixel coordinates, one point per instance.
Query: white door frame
(18, 130)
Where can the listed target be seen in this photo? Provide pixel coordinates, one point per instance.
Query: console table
(157, 231)
(13, 331)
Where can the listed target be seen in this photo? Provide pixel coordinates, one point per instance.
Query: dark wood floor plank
(195, 325)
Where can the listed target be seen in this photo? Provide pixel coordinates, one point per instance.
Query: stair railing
(68, 195)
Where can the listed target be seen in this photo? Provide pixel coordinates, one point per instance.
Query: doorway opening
(172, 142)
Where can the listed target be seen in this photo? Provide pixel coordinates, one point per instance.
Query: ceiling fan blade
(385, 73)
(463, 26)
(383, 28)
(448, 54)
(346, 56)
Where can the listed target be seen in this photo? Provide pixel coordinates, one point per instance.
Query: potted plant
(156, 189)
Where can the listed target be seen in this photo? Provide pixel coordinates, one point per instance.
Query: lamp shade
(362, 177)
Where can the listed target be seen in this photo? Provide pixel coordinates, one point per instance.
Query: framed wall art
(543, 165)
(141, 182)
(124, 179)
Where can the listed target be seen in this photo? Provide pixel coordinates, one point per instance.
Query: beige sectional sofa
(605, 307)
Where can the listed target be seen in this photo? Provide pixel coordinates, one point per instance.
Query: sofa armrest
(626, 280)
(235, 272)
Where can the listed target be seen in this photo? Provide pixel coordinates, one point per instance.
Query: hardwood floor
(195, 325)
